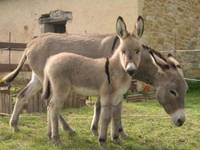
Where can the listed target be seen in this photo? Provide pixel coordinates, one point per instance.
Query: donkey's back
(82, 74)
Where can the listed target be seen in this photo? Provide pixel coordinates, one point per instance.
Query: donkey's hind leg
(59, 95)
(53, 112)
(64, 124)
(66, 127)
(49, 134)
(95, 120)
(31, 89)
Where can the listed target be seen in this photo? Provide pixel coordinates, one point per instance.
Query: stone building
(169, 24)
(172, 24)
(175, 24)
(20, 17)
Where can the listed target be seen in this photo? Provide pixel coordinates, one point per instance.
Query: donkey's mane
(169, 63)
(151, 50)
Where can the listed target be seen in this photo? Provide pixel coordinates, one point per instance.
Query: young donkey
(108, 78)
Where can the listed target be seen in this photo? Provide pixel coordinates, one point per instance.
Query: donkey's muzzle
(131, 69)
(178, 117)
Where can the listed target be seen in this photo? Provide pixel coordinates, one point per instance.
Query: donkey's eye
(123, 52)
(173, 92)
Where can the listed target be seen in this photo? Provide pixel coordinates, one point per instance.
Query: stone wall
(174, 24)
(171, 24)
(190, 61)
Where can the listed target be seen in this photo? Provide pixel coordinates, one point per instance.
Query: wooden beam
(4, 114)
(11, 67)
(12, 45)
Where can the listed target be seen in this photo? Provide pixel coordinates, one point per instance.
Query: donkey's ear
(159, 62)
(172, 60)
(121, 28)
(139, 26)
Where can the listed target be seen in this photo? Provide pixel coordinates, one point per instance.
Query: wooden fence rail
(11, 67)
(6, 46)
(9, 45)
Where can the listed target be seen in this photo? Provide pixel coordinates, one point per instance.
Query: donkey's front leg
(95, 120)
(116, 122)
(96, 116)
(105, 120)
(120, 127)
(22, 98)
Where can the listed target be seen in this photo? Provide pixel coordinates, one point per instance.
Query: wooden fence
(35, 103)
(5, 100)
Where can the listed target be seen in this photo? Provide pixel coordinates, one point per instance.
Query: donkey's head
(170, 87)
(130, 46)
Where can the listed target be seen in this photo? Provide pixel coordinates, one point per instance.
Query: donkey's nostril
(130, 71)
(180, 122)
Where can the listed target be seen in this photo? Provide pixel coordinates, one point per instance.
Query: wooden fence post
(5, 100)
(36, 104)
(75, 100)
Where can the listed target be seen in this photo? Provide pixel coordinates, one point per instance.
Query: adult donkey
(40, 48)
(166, 76)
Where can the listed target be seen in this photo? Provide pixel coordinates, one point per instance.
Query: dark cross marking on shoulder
(107, 69)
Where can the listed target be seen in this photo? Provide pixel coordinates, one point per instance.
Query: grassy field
(148, 126)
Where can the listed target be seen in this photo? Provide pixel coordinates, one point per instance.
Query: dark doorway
(59, 28)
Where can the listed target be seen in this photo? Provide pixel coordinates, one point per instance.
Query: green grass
(148, 126)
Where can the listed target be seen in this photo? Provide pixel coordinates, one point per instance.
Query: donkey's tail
(12, 75)
(46, 88)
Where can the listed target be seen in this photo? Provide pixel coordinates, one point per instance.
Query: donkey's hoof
(13, 125)
(55, 140)
(95, 132)
(15, 129)
(49, 135)
(117, 141)
(124, 135)
(103, 145)
(72, 132)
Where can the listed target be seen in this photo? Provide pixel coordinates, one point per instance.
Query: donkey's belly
(86, 91)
